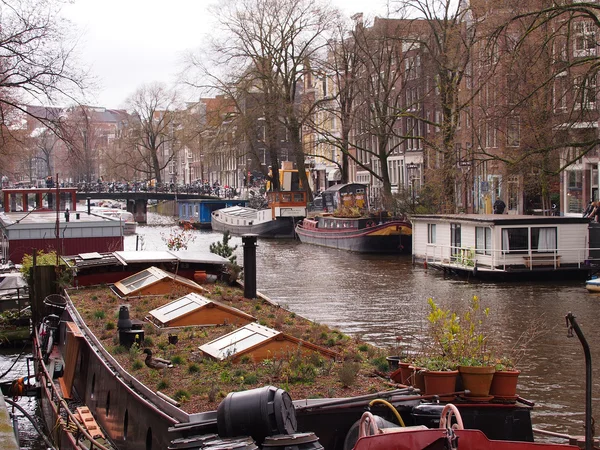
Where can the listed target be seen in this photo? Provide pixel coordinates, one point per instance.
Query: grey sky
(128, 43)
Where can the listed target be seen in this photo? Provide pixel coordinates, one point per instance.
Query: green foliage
(64, 277)
(109, 326)
(380, 363)
(100, 315)
(363, 348)
(162, 384)
(137, 365)
(348, 373)
(459, 337)
(177, 360)
(193, 368)
(182, 395)
(233, 269)
(250, 378)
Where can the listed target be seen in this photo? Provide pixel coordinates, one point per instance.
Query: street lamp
(412, 168)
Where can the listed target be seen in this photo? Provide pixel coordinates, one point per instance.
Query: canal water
(383, 299)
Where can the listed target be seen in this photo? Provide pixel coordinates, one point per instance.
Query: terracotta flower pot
(477, 380)
(416, 378)
(402, 373)
(442, 382)
(504, 384)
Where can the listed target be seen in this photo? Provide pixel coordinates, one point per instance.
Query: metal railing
(469, 257)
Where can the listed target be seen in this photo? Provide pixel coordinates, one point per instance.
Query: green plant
(459, 338)
(137, 365)
(193, 368)
(182, 395)
(232, 269)
(348, 373)
(162, 384)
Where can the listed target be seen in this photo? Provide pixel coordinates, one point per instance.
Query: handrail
(49, 383)
(499, 259)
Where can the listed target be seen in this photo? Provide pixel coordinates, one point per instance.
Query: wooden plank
(73, 328)
(66, 391)
(89, 423)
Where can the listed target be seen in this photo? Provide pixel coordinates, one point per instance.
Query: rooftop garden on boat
(335, 364)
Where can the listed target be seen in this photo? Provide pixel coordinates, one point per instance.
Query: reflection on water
(384, 297)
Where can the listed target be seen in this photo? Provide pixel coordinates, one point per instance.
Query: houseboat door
(455, 240)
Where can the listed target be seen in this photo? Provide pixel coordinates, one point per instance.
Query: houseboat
(505, 246)
(197, 212)
(347, 224)
(278, 220)
(78, 363)
(48, 219)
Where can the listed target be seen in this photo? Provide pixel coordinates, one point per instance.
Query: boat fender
(425, 264)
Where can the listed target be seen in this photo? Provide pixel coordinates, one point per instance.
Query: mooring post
(249, 243)
(572, 325)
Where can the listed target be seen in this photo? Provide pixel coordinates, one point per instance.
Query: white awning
(334, 175)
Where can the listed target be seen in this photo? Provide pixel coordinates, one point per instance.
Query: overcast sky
(127, 43)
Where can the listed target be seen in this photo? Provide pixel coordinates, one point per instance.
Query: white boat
(129, 223)
(285, 209)
(506, 246)
(593, 285)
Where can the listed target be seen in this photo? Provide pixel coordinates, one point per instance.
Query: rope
(13, 364)
(33, 422)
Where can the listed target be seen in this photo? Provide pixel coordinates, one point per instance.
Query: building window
(585, 88)
(584, 39)
(431, 233)
(483, 240)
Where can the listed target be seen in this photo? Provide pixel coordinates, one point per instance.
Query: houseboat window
(455, 238)
(483, 240)
(515, 240)
(543, 239)
(431, 233)
(298, 196)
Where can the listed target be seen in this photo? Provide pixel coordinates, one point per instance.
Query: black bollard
(89, 205)
(249, 243)
(67, 215)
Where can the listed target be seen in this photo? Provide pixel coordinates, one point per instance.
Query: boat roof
(499, 219)
(239, 211)
(145, 256)
(46, 217)
(339, 187)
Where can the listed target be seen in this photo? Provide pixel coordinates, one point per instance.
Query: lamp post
(411, 169)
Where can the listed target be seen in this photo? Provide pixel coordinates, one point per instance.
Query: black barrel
(259, 413)
(296, 441)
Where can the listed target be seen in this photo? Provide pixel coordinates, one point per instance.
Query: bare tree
(36, 55)
(151, 135)
(269, 42)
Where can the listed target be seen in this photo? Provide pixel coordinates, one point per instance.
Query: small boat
(277, 221)
(129, 223)
(346, 224)
(593, 285)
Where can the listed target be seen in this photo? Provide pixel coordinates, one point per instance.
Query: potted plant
(439, 376)
(504, 383)
(462, 338)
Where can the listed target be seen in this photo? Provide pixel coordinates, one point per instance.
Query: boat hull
(389, 237)
(279, 228)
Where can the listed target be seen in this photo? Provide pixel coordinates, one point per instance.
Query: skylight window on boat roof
(178, 308)
(141, 279)
(238, 341)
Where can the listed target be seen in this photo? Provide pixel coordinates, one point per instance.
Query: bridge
(137, 201)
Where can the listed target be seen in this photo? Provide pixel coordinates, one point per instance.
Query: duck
(156, 363)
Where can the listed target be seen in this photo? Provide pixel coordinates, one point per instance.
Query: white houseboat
(505, 246)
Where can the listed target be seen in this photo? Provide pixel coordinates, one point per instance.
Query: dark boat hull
(384, 238)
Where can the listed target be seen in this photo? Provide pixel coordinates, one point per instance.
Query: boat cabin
(39, 199)
(345, 195)
(488, 244)
(287, 203)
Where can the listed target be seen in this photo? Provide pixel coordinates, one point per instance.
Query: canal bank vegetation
(199, 382)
